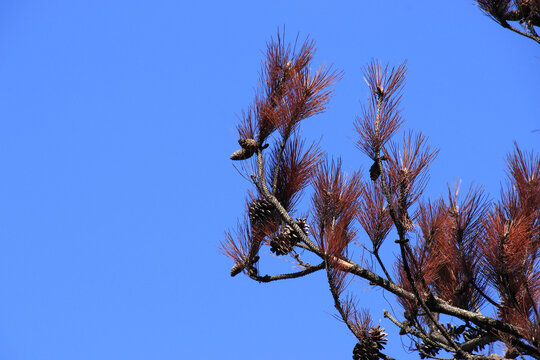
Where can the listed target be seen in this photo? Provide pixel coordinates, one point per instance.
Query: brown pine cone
(281, 244)
(374, 171)
(260, 210)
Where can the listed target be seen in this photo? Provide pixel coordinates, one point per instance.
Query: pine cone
(281, 244)
(237, 269)
(293, 235)
(248, 149)
(364, 350)
(284, 242)
(378, 336)
(473, 333)
(371, 346)
(242, 154)
(248, 144)
(453, 330)
(374, 171)
(260, 210)
(427, 349)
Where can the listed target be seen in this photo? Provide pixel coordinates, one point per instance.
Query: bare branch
(270, 278)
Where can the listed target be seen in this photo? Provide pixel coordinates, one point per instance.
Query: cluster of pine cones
(248, 148)
(261, 210)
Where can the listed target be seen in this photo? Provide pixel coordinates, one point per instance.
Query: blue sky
(117, 121)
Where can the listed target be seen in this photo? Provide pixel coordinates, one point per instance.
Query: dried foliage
(510, 266)
(335, 206)
(458, 280)
(524, 171)
(237, 247)
(417, 261)
(371, 339)
(526, 12)
(373, 214)
(432, 237)
(294, 168)
(288, 91)
(511, 243)
(360, 319)
(446, 260)
(247, 127)
(460, 257)
(304, 95)
(381, 118)
(407, 173)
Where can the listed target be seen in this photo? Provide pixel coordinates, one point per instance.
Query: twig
(299, 260)
(505, 24)
(376, 253)
(269, 278)
(337, 304)
(415, 333)
(530, 26)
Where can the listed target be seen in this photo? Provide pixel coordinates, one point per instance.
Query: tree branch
(506, 25)
(415, 333)
(284, 214)
(337, 304)
(437, 304)
(479, 341)
(270, 278)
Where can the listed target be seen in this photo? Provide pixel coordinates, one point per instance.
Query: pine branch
(337, 303)
(294, 275)
(437, 305)
(405, 328)
(263, 188)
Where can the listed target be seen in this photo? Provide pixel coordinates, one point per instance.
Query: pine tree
(461, 256)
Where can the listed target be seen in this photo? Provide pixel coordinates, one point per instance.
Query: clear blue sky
(116, 124)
